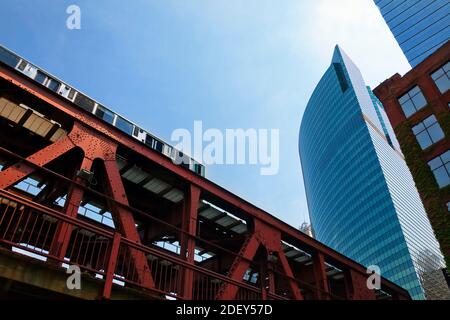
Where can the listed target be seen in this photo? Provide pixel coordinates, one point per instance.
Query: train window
(40, 77)
(71, 94)
(84, 102)
(8, 58)
(105, 114)
(153, 143)
(124, 125)
(53, 85)
(22, 65)
(149, 140)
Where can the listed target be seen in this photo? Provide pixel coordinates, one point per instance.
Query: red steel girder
(320, 276)
(187, 243)
(95, 146)
(269, 238)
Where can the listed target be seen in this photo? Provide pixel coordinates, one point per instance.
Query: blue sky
(232, 64)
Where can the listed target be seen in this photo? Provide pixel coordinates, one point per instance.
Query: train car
(90, 105)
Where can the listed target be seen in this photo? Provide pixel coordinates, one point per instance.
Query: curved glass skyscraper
(361, 196)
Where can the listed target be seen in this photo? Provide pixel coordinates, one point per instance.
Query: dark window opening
(124, 125)
(84, 102)
(105, 114)
(341, 76)
(8, 58)
(40, 77)
(53, 85)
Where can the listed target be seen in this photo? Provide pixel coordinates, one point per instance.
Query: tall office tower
(418, 107)
(361, 196)
(419, 26)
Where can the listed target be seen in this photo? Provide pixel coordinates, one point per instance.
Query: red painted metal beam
(112, 262)
(287, 269)
(237, 270)
(124, 219)
(19, 171)
(320, 277)
(61, 239)
(187, 244)
(357, 289)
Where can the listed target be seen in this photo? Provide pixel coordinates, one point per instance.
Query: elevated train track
(78, 189)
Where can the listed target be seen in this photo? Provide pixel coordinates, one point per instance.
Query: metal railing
(33, 228)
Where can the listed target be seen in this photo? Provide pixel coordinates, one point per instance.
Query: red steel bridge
(75, 190)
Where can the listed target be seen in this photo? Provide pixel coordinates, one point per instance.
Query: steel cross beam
(238, 268)
(61, 239)
(95, 146)
(270, 238)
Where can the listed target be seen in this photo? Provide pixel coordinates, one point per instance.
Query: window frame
(445, 165)
(444, 74)
(410, 97)
(425, 130)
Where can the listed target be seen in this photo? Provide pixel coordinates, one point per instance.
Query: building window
(413, 101)
(448, 206)
(442, 78)
(428, 132)
(441, 169)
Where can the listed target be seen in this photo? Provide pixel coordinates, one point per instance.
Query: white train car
(90, 105)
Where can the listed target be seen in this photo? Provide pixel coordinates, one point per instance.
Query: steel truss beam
(94, 147)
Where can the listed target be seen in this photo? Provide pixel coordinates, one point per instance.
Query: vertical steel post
(187, 245)
(320, 276)
(111, 268)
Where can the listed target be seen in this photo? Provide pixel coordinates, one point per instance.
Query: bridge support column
(189, 227)
(320, 277)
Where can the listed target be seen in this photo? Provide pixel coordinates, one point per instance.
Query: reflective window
(84, 102)
(428, 132)
(53, 85)
(105, 114)
(8, 58)
(153, 143)
(124, 125)
(442, 78)
(412, 101)
(40, 77)
(441, 169)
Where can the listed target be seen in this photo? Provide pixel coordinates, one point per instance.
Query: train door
(139, 134)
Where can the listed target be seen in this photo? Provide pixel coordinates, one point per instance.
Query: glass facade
(361, 196)
(419, 26)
